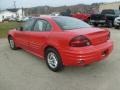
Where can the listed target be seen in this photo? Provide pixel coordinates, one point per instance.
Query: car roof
(47, 17)
(111, 9)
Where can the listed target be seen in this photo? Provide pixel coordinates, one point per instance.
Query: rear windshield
(69, 23)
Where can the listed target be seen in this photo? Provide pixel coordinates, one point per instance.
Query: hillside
(74, 8)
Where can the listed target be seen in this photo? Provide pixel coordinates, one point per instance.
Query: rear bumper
(86, 55)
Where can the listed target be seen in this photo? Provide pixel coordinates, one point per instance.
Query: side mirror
(21, 28)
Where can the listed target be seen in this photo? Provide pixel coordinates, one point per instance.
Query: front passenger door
(39, 36)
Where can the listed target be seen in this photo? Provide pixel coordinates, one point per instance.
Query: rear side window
(69, 23)
(48, 27)
(42, 25)
(38, 26)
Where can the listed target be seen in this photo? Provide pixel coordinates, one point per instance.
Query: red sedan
(62, 41)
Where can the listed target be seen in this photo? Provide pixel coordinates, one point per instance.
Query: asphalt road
(20, 70)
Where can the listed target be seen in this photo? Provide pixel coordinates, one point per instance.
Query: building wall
(1, 19)
(7, 14)
(20, 13)
(113, 5)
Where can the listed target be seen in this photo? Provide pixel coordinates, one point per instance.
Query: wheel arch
(9, 35)
(49, 46)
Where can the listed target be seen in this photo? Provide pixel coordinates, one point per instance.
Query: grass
(5, 27)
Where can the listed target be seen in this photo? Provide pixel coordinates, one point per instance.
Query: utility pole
(14, 2)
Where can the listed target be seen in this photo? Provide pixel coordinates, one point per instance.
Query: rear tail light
(80, 41)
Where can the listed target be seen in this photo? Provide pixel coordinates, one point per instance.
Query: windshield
(117, 12)
(69, 23)
(108, 12)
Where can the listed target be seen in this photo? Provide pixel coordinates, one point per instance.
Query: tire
(12, 43)
(53, 60)
(116, 27)
(95, 24)
(109, 24)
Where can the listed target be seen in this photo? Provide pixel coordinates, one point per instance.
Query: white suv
(117, 22)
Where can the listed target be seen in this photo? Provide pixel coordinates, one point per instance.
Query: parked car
(23, 19)
(6, 20)
(106, 17)
(12, 19)
(62, 41)
(55, 14)
(82, 16)
(117, 22)
(20, 19)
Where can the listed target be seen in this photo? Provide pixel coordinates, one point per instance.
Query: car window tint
(48, 27)
(38, 26)
(42, 25)
(69, 23)
(27, 26)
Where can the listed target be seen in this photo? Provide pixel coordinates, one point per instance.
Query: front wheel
(95, 24)
(53, 60)
(109, 24)
(116, 27)
(12, 43)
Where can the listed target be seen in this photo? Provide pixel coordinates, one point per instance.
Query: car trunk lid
(98, 37)
(95, 35)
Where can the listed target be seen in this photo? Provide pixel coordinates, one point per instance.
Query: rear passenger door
(39, 36)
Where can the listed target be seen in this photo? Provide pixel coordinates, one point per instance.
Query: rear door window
(42, 25)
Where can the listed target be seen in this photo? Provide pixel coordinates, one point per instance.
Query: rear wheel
(53, 60)
(12, 43)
